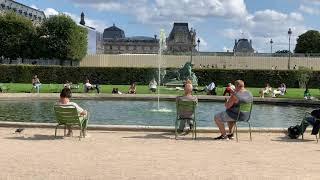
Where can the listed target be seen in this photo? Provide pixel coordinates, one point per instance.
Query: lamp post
(289, 34)
(198, 44)
(271, 42)
(192, 34)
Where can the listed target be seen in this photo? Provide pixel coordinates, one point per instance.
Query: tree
(16, 35)
(65, 40)
(308, 42)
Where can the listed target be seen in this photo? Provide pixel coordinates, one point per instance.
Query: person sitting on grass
(88, 86)
(116, 91)
(65, 96)
(307, 95)
(280, 91)
(67, 84)
(186, 114)
(210, 89)
(229, 89)
(36, 83)
(266, 90)
(153, 85)
(230, 115)
(132, 88)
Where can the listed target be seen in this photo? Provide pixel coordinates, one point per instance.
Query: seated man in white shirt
(88, 86)
(210, 89)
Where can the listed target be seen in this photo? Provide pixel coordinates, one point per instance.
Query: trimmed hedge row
(110, 75)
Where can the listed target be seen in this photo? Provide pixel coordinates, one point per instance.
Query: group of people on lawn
(280, 91)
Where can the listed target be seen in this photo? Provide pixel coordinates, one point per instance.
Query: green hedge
(109, 75)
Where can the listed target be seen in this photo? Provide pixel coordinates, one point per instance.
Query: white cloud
(50, 12)
(203, 44)
(259, 26)
(34, 6)
(97, 24)
(168, 10)
(226, 49)
(309, 10)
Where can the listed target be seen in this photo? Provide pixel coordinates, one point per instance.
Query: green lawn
(293, 93)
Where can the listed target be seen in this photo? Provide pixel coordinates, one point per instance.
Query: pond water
(107, 112)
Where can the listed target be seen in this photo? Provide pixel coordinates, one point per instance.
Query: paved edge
(148, 97)
(135, 128)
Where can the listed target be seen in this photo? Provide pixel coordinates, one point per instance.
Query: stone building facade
(181, 39)
(36, 16)
(243, 47)
(115, 42)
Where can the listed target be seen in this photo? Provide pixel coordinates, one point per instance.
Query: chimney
(235, 42)
(251, 42)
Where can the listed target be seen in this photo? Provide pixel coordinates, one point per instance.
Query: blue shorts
(224, 117)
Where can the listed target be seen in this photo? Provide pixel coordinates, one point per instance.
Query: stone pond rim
(148, 97)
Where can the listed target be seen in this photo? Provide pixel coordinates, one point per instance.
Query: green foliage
(282, 52)
(308, 42)
(304, 75)
(16, 36)
(59, 37)
(65, 40)
(124, 76)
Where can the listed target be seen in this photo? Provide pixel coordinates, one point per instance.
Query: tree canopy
(59, 37)
(16, 36)
(308, 42)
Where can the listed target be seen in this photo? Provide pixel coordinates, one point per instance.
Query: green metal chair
(186, 106)
(67, 115)
(4, 88)
(244, 108)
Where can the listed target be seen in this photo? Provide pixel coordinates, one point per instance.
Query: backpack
(294, 131)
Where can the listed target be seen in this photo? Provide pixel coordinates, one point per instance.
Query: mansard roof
(113, 32)
(179, 27)
(243, 46)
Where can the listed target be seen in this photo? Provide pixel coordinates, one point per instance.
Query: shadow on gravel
(36, 137)
(287, 139)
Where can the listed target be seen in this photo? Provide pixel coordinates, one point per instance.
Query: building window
(110, 47)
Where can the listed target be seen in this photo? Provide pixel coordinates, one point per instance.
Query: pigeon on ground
(19, 130)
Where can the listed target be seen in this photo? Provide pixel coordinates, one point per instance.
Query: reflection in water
(146, 113)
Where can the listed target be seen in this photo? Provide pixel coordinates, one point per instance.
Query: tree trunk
(61, 62)
(70, 62)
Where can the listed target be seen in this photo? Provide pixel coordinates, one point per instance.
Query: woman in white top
(65, 96)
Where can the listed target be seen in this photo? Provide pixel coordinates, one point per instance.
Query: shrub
(121, 75)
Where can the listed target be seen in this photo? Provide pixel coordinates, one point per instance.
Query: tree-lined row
(58, 37)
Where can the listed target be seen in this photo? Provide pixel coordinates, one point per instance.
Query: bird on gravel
(19, 130)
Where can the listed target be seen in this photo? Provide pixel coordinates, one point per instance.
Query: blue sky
(217, 22)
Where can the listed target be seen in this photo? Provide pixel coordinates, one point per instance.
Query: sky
(217, 22)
